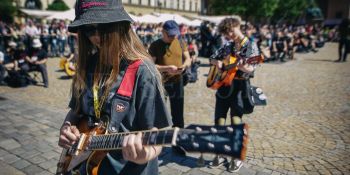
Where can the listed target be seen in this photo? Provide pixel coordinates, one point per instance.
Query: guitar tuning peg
(195, 144)
(211, 146)
(198, 129)
(213, 130)
(229, 129)
(227, 148)
(201, 161)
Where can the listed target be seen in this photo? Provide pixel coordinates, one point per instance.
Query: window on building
(140, 2)
(172, 4)
(183, 5)
(165, 4)
(195, 6)
(178, 4)
(190, 6)
(130, 2)
(149, 2)
(33, 4)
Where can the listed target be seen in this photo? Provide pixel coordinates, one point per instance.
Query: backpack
(17, 79)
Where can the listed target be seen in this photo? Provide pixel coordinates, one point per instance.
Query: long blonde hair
(118, 41)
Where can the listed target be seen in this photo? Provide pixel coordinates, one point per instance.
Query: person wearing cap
(107, 46)
(36, 59)
(171, 57)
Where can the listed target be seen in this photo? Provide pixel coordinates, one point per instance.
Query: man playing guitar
(227, 96)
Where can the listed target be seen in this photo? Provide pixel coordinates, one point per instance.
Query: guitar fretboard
(115, 141)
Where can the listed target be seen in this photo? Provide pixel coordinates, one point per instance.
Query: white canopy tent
(196, 22)
(66, 15)
(177, 18)
(215, 19)
(148, 19)
(38, 13)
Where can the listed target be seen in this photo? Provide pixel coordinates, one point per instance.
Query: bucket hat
(98, 11)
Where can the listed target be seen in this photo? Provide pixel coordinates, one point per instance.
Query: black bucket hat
(97, 12)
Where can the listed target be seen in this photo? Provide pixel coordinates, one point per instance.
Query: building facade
(137, 7)
(335, 9)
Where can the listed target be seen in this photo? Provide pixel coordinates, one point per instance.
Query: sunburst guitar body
(224, 76)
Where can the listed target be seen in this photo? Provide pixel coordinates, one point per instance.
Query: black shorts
(230, 97)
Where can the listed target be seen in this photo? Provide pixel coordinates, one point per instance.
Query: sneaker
(235, 166)
(217, 161)
(178, 150)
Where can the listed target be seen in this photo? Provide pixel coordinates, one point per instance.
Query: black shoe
(178, 150)
(3, 83)
(46, 85)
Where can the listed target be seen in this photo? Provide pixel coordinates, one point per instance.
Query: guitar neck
(114, 141)
(251, 60)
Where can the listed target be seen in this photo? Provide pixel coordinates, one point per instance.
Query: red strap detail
(127, 85)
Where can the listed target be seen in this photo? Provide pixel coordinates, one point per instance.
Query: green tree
(290, 10)
(58, 5)
(251, 9)
(7, 10)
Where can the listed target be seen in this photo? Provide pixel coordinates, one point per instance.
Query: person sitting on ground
(36, 59)
(279, 46)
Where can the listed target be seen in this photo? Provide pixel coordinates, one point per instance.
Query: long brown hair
(118, 41)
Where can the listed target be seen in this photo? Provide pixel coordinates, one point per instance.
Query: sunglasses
(90, 30)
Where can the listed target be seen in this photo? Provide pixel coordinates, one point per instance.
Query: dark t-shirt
(279, 43)
(146, 110)
(37, 54)
(168, 54)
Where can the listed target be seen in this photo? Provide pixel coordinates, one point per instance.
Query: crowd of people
(275, 42)
(123, 68)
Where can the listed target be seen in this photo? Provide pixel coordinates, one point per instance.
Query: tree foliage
(247, 8)
(262, 10)
(58, 5)
(7, 10)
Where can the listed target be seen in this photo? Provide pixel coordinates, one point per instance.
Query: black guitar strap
(121, 103)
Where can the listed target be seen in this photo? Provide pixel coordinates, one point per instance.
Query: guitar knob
(227, 148)
(198, 129)
(195, 144)
(213, 130)
(211, 146)
(229, 129)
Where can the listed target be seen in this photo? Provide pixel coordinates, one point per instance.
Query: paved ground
(305, 129)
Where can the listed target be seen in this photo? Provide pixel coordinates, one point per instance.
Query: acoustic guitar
(224, 76)
(95, 143)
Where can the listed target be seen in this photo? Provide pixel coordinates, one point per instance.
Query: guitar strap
(121, 97)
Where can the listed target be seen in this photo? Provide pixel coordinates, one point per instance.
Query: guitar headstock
(222, 140)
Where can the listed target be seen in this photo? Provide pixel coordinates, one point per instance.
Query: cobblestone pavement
(304, 129)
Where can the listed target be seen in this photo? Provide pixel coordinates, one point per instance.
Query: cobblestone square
(304, 129)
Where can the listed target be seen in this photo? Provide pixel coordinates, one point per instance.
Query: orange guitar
(224, 76)
(95, 143)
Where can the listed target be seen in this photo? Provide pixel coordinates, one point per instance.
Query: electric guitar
(95, 143)
(224, 76)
